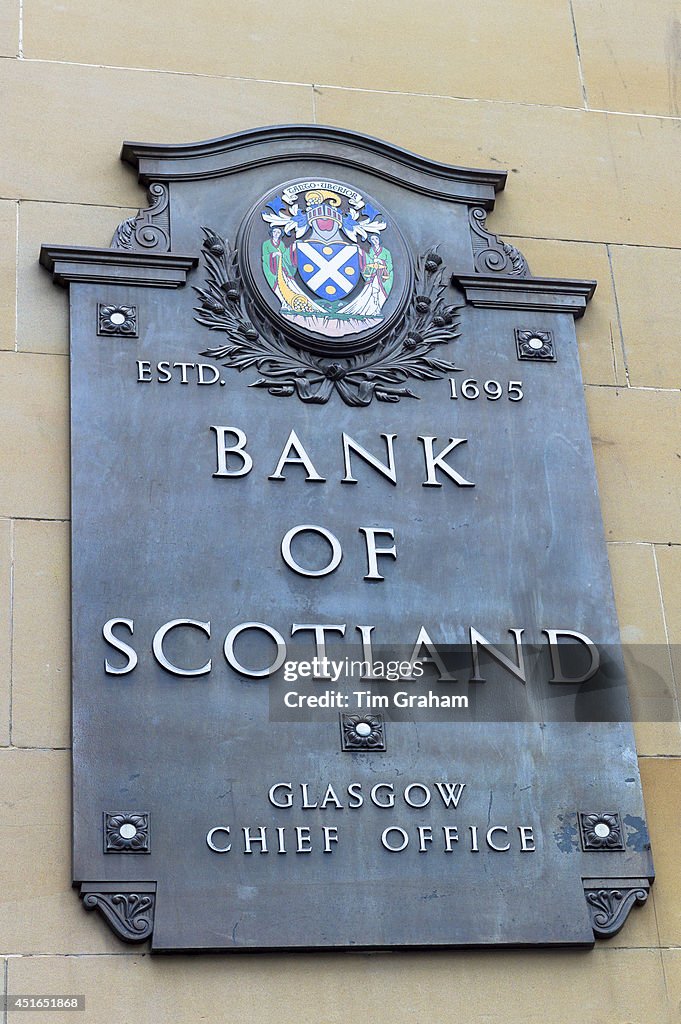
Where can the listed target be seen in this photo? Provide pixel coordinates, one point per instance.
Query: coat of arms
(324, 258)
(321, 294)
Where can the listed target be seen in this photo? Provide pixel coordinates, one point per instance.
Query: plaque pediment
(244, 151)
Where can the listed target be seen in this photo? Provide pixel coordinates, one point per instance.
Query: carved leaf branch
(406, 352)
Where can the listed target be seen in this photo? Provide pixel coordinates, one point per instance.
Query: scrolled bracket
(490, 253)
(128, 907)
(609, 901)
(150, 229)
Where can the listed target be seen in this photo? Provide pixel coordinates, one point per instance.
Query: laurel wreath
(405, 353)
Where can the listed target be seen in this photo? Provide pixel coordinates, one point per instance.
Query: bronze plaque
(346, 665)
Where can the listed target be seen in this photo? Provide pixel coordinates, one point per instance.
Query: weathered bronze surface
(271, 464)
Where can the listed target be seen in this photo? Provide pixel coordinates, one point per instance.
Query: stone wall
(579, 99)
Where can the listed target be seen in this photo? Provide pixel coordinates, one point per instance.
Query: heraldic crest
(321, 294)
(326, 253)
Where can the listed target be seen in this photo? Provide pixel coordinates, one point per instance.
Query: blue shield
(329, 269)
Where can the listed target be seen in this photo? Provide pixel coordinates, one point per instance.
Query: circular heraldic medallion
(327, 263)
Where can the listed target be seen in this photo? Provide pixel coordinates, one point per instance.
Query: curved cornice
(262, 146)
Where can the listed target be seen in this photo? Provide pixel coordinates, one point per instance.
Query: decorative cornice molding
(280, 143)
(78, 264)
(609, 901)
(545, 294)
(128, 907)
